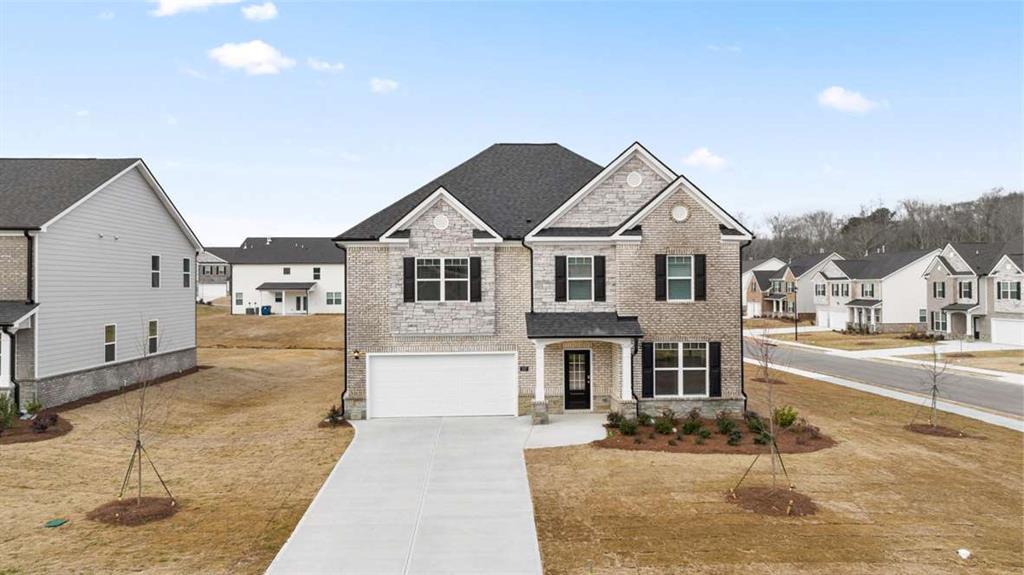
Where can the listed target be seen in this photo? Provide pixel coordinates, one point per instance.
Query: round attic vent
(680, 213)
(634, 179)
(441, 222)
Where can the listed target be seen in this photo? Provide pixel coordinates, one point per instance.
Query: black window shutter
(700, 277)
(659, 277)
(409, 278)
(715, 369)
(559, 278)
(599, 278)
(474, 279)
(647, 357)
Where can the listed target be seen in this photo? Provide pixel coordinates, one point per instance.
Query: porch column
(626, 348)
(540, 405)
(5, 361)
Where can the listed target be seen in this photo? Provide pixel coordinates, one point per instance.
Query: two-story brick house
(530, 279)
(974, 291)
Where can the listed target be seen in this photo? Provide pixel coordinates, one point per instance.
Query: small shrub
(43, 422)
(700, 441)
(673, 442)
(627, 426)
(638, 440)
(664, 426)
(679, 435)
(693, 414)
(734, 437)
(724, 423)
(614, 418)
(785, 416)
(33, 407)
(763, 438)
(8, 411)
(690, 426)
(334, 415)
(703, 433)
(643, 420)
(754, 422)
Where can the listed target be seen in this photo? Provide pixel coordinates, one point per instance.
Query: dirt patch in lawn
(1005, 360)
(216, 327)
(767, 501)
(937, 430)
(21, 431)
(646, 439)
(239, 448)
(134, 511)
(837, 340)
(889, 501)
(771, 380)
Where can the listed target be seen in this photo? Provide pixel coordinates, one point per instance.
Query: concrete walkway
(429, 495)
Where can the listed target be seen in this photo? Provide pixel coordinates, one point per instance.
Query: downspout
(743, 344)
(14, 381)
(523, 241)
(30, 265)
(344, 326)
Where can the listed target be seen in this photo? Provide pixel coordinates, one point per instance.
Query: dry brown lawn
(1010, 360)
(216, 327)
(767, 322)
(891, 501)
(836, 340)
(240, 448)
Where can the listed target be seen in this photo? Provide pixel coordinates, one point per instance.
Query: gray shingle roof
(877, 266)
(581, 324)
(277, 286)
(763, 278)
(747, 265)
(283, 250)
(983, 257)
(12, 311)
(35, 190)
(863, 302)
(959, 307)
(801, 264)
(511, 187)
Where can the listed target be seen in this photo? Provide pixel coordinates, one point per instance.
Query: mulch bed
(937, 430)
(789, 441)
(21, 431)
(131, 512)
(959, 355)
(768, 501)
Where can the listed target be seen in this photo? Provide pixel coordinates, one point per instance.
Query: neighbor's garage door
(400, 385)
(753, 309)
(831, 319)
(1007, 331)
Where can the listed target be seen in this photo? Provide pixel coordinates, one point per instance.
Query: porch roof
(775, 296)
(11, 312)
(581, 324)
(960, 307)
(863, 302)
(281, 286)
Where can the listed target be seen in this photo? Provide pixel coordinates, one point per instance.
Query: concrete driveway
(427, 495)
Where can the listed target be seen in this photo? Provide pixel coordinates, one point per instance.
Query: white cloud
(172, 7)
(382, 85)
(83, 113)
(734, 48)
(255, 57)
(322, 66)
(704, 158)
(171, 120)
(839, 98)
(265, 11)
(106, 15)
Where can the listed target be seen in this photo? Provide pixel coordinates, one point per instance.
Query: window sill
(705, 396)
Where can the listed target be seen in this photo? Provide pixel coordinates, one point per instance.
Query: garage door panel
(1006, 330)
(431, 385)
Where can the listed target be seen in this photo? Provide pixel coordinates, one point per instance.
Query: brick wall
(614, 200)
(13, 267)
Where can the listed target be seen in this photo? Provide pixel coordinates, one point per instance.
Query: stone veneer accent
(544, 277)
(613, 201)
(13, 267)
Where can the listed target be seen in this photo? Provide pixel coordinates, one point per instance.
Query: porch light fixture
(356, 354)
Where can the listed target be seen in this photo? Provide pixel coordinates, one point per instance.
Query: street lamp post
(796, 316)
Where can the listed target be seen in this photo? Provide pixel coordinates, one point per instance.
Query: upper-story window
(819, 290)
(867, 290)
(939, 289)
(579, 278)
(680, 277)
(777, 286)
(186, 272)
(845, 290)
(1008, 290)
(835, 290)
(966, 289)
(442, 279)
(316, 273)
(154, 271)
(287, 271)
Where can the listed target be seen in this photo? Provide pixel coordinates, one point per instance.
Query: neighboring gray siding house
(529, 279)
(974, 291)
(213, 275)
(97, 278)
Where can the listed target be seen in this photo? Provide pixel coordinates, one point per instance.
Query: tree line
(996, 216)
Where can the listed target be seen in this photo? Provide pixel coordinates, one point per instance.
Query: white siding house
(748, 267)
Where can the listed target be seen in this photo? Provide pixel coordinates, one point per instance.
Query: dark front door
(977, 328)
(577, 379)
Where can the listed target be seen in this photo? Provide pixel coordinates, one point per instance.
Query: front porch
(963, 321)
(865, 315)
(17, 346)
(284, 298)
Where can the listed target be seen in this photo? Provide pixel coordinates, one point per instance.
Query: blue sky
(310, 119)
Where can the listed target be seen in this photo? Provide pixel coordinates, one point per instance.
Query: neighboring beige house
(747, 268)
(529, 279)
(974, 291)
(882, 292)
(787, 288)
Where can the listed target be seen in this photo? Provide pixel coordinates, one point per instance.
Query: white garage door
(1008, 331)
(831, 319)
(753, 309)
(424, 385)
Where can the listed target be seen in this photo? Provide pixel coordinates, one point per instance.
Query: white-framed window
(109, 342)
(238, 298)
(316, 273)
(681, 369)
(965, 289)
(186, 272)
(286, 271)
(579, 278)
(938, 290)
(835, 290)
(819, 290)
(777, 286)
(922, 316)
(153, 336)
(939, 320)
(154, 271)
(278, 297)
(441, 279)
(867, 290)
(334, 298)
(679, 275)
(1008, 290)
